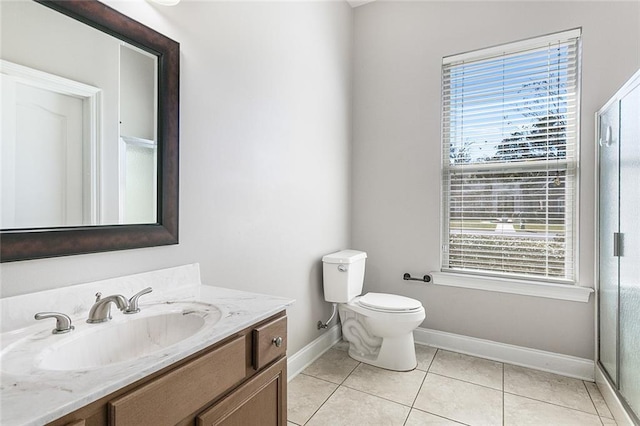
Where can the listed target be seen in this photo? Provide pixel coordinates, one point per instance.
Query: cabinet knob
(277, 341)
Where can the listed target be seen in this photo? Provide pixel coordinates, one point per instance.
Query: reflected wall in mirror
(89, 142)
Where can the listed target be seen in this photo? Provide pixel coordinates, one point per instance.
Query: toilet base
(396, 353)
(380, 339)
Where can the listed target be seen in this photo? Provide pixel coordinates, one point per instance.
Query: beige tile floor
(446, 388)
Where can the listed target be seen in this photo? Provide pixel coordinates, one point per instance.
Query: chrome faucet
(63, 322)
(101, 310)
(133, 301)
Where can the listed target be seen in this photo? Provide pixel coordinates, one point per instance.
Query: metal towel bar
(407, 277)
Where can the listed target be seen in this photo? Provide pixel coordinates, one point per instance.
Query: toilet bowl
(378, 326)
(382, 334)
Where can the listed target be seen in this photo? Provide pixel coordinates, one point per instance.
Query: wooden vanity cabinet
(241, 381)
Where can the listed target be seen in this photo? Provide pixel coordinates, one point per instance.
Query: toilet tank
(343, 275)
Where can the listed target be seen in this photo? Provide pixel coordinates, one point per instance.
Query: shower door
(629, 349)
(619, 243)
(608, 227)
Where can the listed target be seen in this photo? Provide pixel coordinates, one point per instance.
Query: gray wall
(266, 164)
(264, 155)
(396, 150)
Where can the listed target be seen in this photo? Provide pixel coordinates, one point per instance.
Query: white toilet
(378, 326)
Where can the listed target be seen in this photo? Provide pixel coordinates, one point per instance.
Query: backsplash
(172, 283)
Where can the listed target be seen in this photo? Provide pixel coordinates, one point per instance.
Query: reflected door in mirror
(42, 157)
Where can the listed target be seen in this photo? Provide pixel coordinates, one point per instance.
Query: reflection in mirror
(90, 146)
(137, 148)
(79, 142)
(46, 131)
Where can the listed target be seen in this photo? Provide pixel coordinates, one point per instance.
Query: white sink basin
(125, 338)
(121, 342)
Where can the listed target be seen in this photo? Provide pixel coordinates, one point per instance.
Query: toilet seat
(382, 302)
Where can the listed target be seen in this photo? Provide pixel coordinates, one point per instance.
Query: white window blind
(510, 159)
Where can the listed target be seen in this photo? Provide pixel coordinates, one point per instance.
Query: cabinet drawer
(269, 342)
(183, 391)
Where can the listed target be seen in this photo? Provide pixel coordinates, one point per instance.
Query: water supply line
(322, 325)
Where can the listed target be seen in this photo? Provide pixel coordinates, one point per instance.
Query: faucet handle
(63, 322)
(133, 302)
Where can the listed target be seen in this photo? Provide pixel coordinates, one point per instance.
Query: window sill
(572, 293)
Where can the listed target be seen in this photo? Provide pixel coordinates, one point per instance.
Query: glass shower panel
(629, 367)
(608, 218)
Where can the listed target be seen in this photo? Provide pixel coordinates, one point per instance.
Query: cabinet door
(260, 402)
(608, 225)
(183, 391)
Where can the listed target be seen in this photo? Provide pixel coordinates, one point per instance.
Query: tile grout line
(395, 402)
(321, 405)
(584, 385)
(471, 383)
(369, 394)
(424, 378)
(442, 417)
(376, 396)
(330, 395)
(334, 391)
(553, 403)
(342, 384)
(421, 385)
(410, 407)
(592, 402)
(386, 399)
(350, 373)
(433, 359)
(319, 378)
(413, 403)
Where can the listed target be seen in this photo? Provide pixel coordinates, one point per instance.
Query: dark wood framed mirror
(41, 242)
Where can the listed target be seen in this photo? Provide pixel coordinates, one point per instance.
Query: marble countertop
(33, 396)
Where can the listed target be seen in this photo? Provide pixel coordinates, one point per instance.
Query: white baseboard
(305, 356)
(565, 365)
(610, 397)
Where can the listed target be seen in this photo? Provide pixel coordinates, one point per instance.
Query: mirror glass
(79, 142)
(90, 151)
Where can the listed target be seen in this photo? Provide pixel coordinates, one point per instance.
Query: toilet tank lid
(344, 256)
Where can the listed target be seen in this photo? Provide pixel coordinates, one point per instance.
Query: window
(510, 159)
